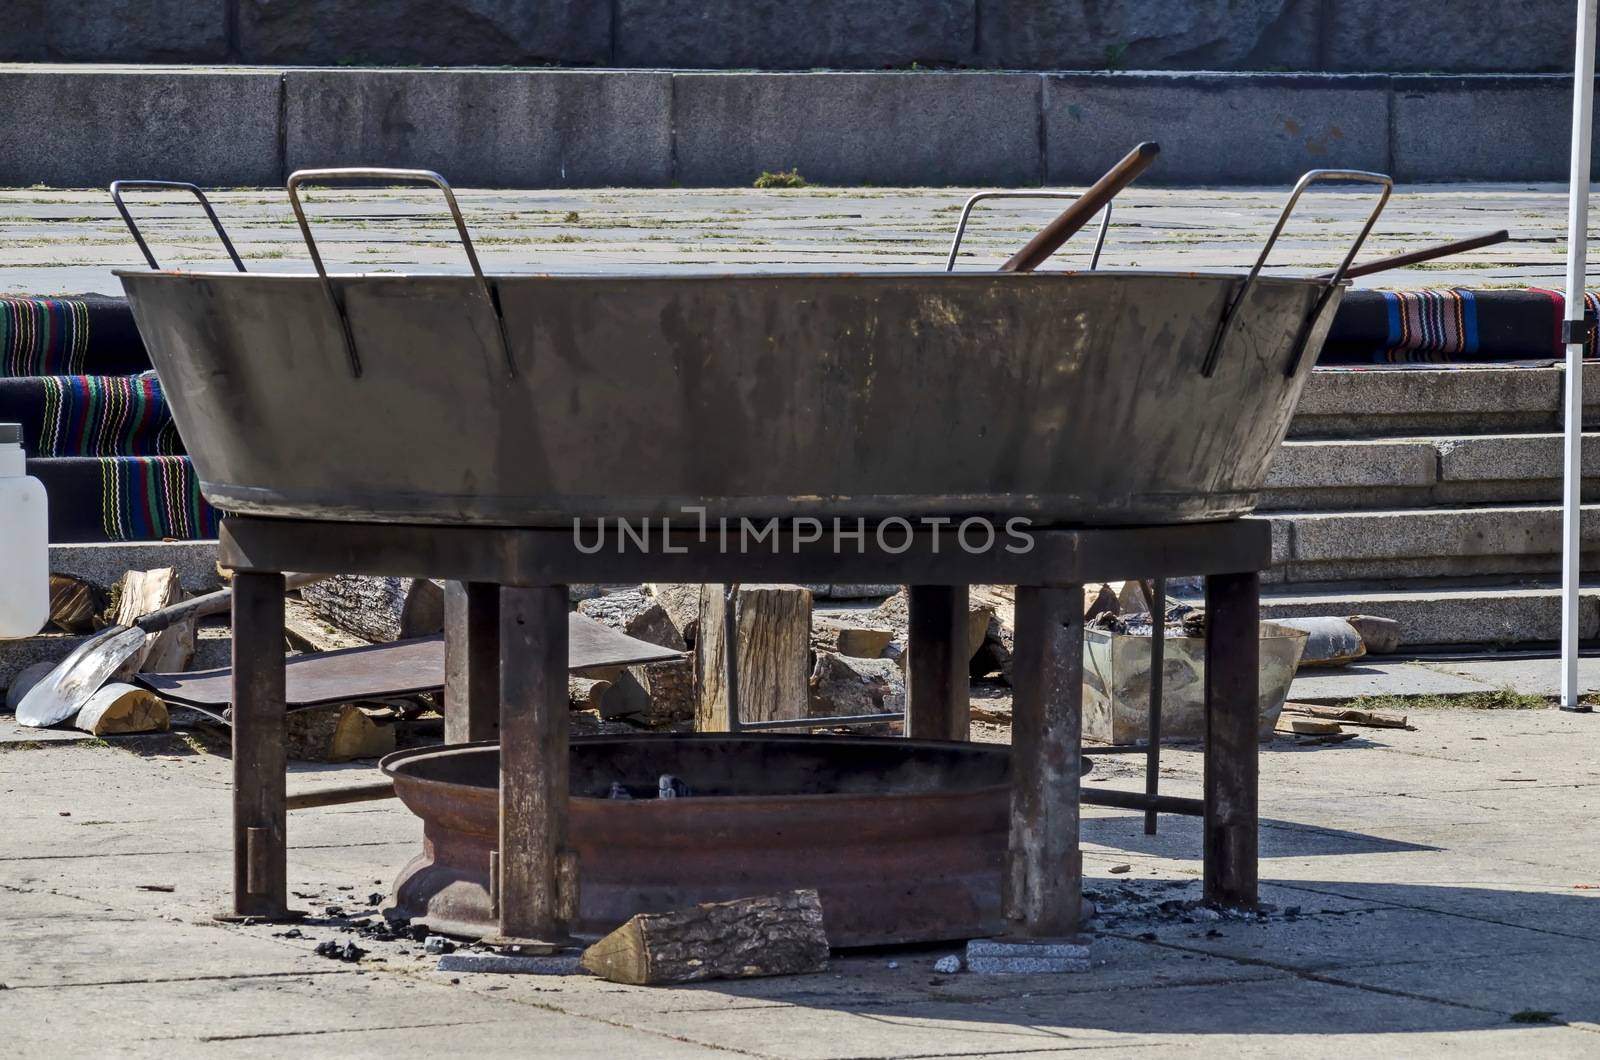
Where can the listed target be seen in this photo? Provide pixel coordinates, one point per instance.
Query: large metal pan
(1088, 398)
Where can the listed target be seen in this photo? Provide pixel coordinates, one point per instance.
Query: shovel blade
(61, 692)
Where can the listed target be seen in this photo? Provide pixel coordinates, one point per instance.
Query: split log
(378, 610)
(669, 690)
(841, 686)
(682, 604)
(75, 604)
(778, 934)
(138, 594)
(118, 710)
(337, 734)
(773, 631)
(636, 615)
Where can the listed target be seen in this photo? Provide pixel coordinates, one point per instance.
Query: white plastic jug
(24, 542)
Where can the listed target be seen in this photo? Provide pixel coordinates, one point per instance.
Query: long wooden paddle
(1091, 202)
(1414, 257)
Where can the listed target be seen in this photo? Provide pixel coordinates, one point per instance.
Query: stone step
(1396, 402)
(1356, 474)
(530, 128)
(1492, 540)
(105, 562)
(1449, 615)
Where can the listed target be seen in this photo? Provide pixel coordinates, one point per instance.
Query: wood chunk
(849, 637)
(1377, 719)
(1380, 635)
(138, 594)
(895, 614)
(682, 604)
(306, 631)
(636, 615)
(584, 693)
(75, 604)
(669, 688)
(378, 610)
(841, 686)
(773, 631)
(119, 709)
(779, 934)
(1302, 726)
(337, 734)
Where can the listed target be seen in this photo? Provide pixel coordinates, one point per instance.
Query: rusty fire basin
(903, 839)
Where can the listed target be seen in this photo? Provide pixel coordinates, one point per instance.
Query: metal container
(903, 839)
(1065, 397)
(1079, 398)
(1116, 683)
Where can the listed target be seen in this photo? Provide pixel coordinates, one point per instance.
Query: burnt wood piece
(471, 662)
(1044, 868)
(533, 764)
(260, 755)
(778, 934)
(1233, 650)
(937, 680)
(522, 556)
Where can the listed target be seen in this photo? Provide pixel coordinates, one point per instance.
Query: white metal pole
(1577, 260)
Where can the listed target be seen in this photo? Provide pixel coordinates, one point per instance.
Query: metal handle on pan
(1316, 176)
(118, 186)
(422, 176)
(966, 212)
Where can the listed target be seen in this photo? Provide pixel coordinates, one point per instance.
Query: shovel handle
(1091, 202)
(213, 603)
(1414, 257)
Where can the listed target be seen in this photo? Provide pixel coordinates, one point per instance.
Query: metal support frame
(535, 874)
(938, 703)
(471, 662)
(260, 749)
(1577, 262)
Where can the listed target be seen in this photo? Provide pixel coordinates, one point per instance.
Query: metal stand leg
(260, 749)
(537, 887)
(471, 662)
(1043, 883)
(1158, 641)
(1232, 719)
(937, 697)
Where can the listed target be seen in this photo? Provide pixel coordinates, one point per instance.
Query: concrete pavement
(1432, 892)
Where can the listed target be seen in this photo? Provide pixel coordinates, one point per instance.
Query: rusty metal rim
(389, 765)
(933, 275)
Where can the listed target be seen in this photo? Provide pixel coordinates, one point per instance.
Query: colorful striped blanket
(124, 498)
(69, 336)
(1461, 325)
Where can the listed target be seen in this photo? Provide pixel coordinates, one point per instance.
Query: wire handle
(966, 212)
(420, 176)
(1316, 176)
(117, 187)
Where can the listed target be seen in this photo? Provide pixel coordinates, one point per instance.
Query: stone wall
(1432, 36)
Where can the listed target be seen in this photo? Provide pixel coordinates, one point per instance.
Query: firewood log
(779, 934)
